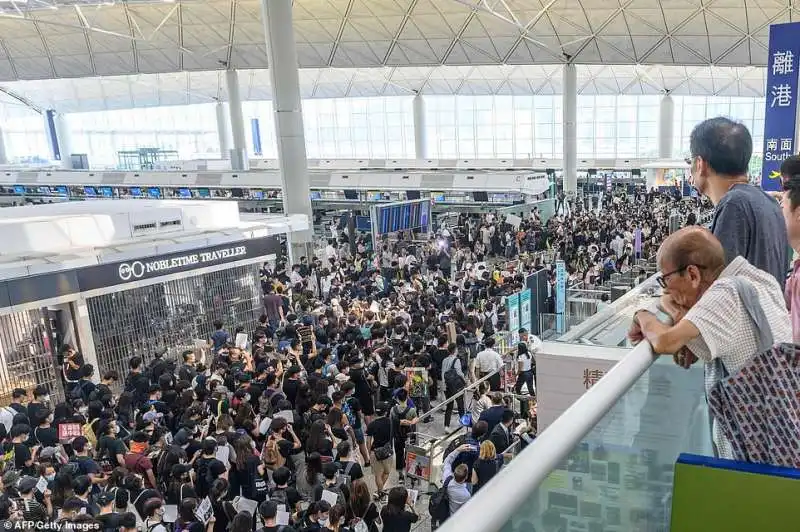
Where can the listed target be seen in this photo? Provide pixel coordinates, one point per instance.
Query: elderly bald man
(710, 319)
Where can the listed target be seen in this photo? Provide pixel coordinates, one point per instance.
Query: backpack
(488, 326)
(205, 478)
(396, 417)
(279, 497)
(439, 503)
(345, 476)
(271, 454)
(337, 489)
(452, 380)
(88, 432)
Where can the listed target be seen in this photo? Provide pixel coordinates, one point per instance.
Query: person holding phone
(398, 515)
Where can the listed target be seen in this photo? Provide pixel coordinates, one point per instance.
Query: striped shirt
(726, 330)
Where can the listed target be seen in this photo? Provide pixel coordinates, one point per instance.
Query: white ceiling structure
(171, 51)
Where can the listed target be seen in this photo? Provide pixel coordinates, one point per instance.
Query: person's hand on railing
(635, 334)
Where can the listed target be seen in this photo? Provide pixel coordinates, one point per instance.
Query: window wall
(23, 134)
(608, 126)
(528, 126)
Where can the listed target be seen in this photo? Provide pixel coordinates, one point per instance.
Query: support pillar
(666, 124)
(570, 124)
(420, 131)
(283, 72)
(239, 151)
(3, 154)
(223, 132)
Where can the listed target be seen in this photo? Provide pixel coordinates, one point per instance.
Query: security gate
(28, 346)
(170, 316)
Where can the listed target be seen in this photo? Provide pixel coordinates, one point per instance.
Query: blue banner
(512, 305)
(525, 315)
(256, 136)
(561, 295)
(780, 118)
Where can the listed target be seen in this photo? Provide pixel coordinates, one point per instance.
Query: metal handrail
(490, 509)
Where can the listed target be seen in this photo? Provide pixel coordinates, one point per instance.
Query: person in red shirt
(136, 461)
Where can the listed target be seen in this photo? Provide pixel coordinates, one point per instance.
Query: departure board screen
(402, 216)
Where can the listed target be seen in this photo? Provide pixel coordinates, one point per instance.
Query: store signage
(780, 116)
(117, 273)
(139, 269)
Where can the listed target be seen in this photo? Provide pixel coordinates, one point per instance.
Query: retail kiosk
(124, 278)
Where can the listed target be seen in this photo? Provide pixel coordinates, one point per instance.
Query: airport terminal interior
(399, 265)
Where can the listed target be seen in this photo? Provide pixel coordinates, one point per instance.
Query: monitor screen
(316, 195)
(136, 192)
(351, 194)
(257, 194)
(19, 189)
(438, 197)
(43, 190)
(480, 196)
(204, 192)
(412, 194)
(106, 192)
(154, 192)
(89, 191)
(184, 193)
(61, 191)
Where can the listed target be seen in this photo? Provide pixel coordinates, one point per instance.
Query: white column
(570, 120)
(282, 56)
(3, 155)
(223, 132)
(420, 133)
(666, 123)
(239, 151)
(64, 137)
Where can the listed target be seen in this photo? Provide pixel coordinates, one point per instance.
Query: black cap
(26, 484)
(105, 498)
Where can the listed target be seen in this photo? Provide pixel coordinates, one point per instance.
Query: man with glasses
(709, 316)
(747, 221)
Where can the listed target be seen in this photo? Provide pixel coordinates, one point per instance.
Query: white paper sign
(41, 486)
(241, 340)
(288, 415)
(282, 518)
(204, 510)
(170, 513)
(330, 497)
(222, 454)
(413, 495)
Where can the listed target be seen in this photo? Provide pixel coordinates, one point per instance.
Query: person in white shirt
(330, 251)
(487, 362)
(458, 491)
(295, 277)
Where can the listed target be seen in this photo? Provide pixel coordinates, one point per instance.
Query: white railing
(510, 489)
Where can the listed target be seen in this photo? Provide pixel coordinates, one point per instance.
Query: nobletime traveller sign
(129, 271)
(780, 117)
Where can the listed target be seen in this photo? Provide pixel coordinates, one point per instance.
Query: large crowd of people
(299, 422)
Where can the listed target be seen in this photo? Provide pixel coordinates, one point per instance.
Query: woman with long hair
(320, 439)
(243, 522)
(311, 477)
(486, 466)
(248, 475)
(398, 515)
(361, 507)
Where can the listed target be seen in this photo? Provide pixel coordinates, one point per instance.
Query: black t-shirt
(290, 388)
(277, 528)
(381, 432)
(34, 410)
(22, 454)
(108, 447)
(401, 522)
(110, 522)
(355, 472)
(46, 437)
(208, 469)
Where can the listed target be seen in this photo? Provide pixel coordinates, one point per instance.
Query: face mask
(50, 477)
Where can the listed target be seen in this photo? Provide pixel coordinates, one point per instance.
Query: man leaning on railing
(721, 313)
